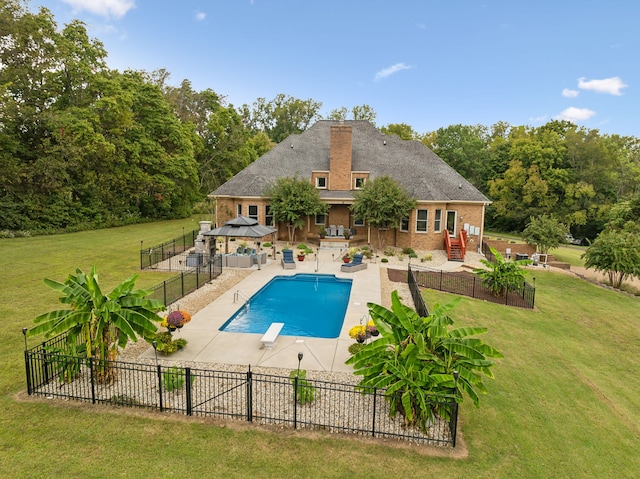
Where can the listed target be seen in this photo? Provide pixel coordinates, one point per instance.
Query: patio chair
(355, 265)
(287, 259)
(340, 230)
(333, 231)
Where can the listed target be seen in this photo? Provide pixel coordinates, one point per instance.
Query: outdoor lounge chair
(333, 231)
(355, 265)
(287, 259)
(340, 230)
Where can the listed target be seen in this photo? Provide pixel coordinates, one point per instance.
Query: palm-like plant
(416, 360)
(502, 276)
(97, 324)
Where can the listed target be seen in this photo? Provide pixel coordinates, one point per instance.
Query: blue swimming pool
(312, 305)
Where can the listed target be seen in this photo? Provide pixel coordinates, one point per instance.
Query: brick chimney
(340, 157)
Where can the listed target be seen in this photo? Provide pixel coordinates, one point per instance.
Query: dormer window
(321, 182)
(359, 182)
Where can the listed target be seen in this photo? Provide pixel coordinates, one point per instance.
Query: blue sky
(429, 64)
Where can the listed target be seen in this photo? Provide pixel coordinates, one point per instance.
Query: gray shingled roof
(422, 173)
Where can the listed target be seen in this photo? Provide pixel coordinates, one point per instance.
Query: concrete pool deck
(207, 344)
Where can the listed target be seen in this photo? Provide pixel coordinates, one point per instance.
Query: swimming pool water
(311, 305)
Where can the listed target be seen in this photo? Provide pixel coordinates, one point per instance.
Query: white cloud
(612, 86)
(200, 16)
(575, 115)
(391, 70)
(567, 93)
(539, 119)
(105, 8)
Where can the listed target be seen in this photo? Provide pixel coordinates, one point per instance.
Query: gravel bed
(220, 391)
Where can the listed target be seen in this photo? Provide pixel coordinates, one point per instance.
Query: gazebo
(241, 227)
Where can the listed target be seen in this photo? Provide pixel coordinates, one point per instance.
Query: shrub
(408, 251)
(306, 393)
(355, 347)
(384, 260)
(267, 245)
(174, 378)
(389, 251)
(426, 257)
(167, 345)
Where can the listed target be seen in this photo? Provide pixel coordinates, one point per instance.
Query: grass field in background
(564, 402)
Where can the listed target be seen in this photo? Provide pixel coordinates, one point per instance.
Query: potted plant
(322, 232)
(301, 255)
(346, 258)
(371, 329)
(347, 233)
(359, 333)
(176, 320)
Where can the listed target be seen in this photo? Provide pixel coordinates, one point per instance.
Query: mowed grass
(564, 402)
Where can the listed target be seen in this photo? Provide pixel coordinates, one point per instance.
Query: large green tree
(464, 148)
(416, 360)
(358, 112)
(545, 232)
(292, 201)
(615, 252)
(383, 204)
(281, 117)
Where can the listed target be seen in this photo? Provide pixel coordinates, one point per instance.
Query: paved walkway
(207, 344)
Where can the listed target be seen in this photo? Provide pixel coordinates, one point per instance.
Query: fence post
(473, 288)
(249, 395)
(295, 402)
(93, 380)
(159, 369)
(453, 423)
(198, 276)
(187, 377)
(373, 423)
(27, 365)
(164, 292)
(182, 285)
(441, 274)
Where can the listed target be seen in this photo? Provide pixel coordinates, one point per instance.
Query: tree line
(83, 145)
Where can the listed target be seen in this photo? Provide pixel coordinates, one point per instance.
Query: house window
(437, 222)
(360, 183)
(321, 182)
(239, 210)
(358, 222)
(404, 224)
(421, 220)
(253, 212)
(268, 216)
(320, 219)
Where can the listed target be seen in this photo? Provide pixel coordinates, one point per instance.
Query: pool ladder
(241, 294)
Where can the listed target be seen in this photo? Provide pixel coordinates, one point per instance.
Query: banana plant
(501, 275)
(96, 325)
(417, 360)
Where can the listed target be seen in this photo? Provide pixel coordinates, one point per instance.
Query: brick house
(338, 158)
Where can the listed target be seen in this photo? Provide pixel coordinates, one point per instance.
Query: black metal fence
(471, 285)
(187, 282)
(418, 300)
(159, 256)
(243, 395)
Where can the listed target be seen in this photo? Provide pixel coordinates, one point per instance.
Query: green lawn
(564, 402)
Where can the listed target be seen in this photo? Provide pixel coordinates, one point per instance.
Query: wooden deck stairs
(456, 247)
